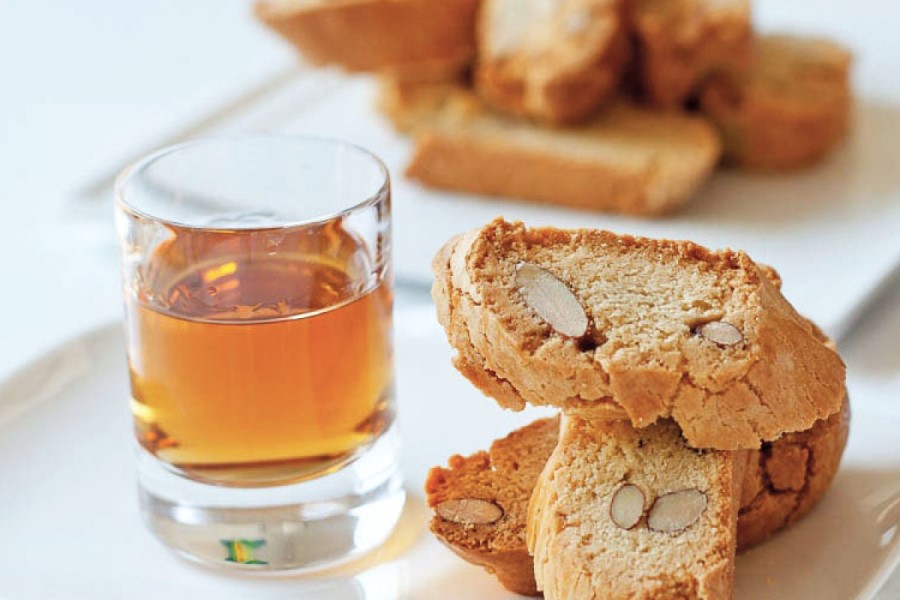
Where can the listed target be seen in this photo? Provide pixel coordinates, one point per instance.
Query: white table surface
(84, 84)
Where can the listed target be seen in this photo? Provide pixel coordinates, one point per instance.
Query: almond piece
(676, 511)
(721, 333)
(627, 506)
(469, 511)
(551, 299)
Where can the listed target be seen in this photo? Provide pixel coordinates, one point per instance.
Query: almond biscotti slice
(588, 320)
(621, 513)
(481, 501)
(783, 481)
(553, 61)
(419, 40)
(789, 109)
(682, 42)
(628, 159)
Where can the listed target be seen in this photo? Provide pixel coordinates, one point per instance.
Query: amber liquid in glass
(260, 368)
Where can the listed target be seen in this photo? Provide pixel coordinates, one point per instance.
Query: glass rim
(133, 169)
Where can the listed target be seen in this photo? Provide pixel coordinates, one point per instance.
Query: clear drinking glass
(258, 302)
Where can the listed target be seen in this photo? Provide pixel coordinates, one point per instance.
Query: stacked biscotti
(624, 106)
(700, 414)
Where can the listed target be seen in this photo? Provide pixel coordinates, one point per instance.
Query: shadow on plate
(839, 551)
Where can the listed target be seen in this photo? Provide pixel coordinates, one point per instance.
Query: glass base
(305, 527)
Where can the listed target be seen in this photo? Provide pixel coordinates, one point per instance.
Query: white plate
(71, 529)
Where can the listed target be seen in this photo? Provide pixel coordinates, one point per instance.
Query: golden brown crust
(565, 65)
(782, 482)
(789, 109)
(505, 476)
(419, 40)
(786, 478)
(781, 378)
(626, 160)
(681, 43)
(467, 360)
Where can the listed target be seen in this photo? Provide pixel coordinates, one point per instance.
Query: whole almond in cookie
(469, 511)
(551, 299)
(627, 506)
(721, 333)
(580, 551)
(676, 511)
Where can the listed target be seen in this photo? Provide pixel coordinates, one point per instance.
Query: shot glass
(258, 321)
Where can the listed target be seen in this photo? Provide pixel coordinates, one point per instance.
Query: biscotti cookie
(787, 478)
(582, 319)
(782, 482)
(481, 501)
(553, 61)
(789, 109)
(621, 513)
(681, 42)
(626, 160)
(419, 40)
(469, 361)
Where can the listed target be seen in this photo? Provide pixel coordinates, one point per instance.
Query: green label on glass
(242, 551)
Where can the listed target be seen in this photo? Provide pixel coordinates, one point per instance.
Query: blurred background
(88, 86)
